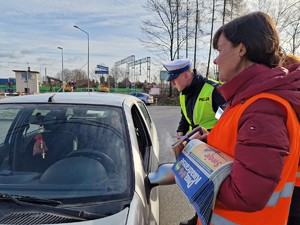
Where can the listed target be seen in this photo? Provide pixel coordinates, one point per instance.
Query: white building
(27, 81)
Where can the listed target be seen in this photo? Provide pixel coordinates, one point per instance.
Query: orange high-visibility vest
(223, 137)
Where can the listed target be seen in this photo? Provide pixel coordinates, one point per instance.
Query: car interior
(63, 145)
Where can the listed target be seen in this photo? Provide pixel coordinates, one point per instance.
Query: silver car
(146, 98)
(80, 158)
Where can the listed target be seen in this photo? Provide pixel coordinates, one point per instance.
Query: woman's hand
(202, 136)
(197, 133)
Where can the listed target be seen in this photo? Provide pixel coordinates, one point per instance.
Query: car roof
(72, 97)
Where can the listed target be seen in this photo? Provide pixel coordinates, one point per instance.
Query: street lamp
(62, 67)
(88, 66)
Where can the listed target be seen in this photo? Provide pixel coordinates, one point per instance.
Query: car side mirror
(162, 176)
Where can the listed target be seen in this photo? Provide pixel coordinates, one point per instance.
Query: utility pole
(62, 68)
(88, 54)
(177, 12)
(187, 30)
(211, 36)
(196, 32)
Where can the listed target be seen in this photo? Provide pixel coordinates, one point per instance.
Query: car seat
(57, 143)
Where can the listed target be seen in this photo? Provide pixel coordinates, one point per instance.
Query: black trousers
(294, 216)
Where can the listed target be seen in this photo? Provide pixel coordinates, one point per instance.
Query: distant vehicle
(146, 98)
(79, 158)
(104, 89)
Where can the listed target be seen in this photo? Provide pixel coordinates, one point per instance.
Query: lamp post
(88, 66)
(62, 67)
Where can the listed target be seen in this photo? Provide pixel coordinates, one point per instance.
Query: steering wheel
(104, 159)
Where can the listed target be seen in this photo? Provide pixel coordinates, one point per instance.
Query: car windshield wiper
(69, 212)
(31, 199)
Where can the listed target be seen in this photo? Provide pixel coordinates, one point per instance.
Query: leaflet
(199, 171)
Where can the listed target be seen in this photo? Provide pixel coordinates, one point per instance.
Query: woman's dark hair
(290, 59)
(258, 33)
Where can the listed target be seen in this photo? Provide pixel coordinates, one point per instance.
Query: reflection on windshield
(58, 151)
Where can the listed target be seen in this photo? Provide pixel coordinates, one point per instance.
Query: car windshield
(60, 151)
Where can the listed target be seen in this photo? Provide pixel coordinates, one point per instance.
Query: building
(27, 81)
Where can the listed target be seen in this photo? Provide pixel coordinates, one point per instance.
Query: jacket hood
(282, 81)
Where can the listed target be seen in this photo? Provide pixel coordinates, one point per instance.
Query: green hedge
(112, 90)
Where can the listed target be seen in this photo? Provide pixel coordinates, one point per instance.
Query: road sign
(101, 69)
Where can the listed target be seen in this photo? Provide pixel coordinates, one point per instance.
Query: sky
(32, 30)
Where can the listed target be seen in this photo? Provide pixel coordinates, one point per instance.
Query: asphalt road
(174, 206)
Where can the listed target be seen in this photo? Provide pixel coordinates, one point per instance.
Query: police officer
(199, 100)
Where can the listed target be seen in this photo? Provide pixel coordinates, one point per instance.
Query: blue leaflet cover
(199, 170)
(188, 177)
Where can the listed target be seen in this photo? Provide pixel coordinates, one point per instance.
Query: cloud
(31, 31)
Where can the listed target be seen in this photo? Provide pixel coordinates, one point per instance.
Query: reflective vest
(203, 114)
(223, 137)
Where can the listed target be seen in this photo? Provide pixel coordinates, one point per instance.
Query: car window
(143, 138)
(64, 151)
(7, 117)
(146, 114)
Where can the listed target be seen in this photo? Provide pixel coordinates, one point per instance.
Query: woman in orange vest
(294, 214)
(259, 127)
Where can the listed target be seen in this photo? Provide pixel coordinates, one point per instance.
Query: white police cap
(176, 67)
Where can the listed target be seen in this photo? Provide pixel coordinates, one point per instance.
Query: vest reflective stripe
(287, 191)
(297, 183)
(217, 220)
(203, 114)
(277, 209)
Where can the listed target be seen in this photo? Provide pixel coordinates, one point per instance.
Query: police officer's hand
(179, 134)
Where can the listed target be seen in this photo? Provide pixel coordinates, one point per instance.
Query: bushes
(164, 99)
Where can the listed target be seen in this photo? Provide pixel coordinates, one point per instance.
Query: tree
(110, 81)
(102, 80)
(160, 29)
(165, 30)
(171, 24)
(77, 75)
(124, 83)
(118, 73)
(286, 15)
(224, 9)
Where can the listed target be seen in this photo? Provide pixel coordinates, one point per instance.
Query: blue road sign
(101, 69)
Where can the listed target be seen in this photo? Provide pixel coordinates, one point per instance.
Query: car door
(149, 155)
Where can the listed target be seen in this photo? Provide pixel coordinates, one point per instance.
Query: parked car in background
(79, 158)
(146, 98)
